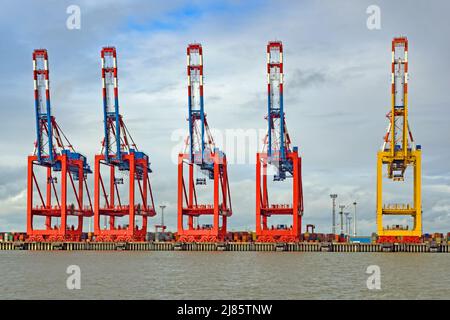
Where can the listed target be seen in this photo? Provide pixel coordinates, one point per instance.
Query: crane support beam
(278, 155)
(397, 153)
(201, 157)
(56, 183)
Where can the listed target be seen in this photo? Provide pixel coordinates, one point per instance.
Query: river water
(223, 275)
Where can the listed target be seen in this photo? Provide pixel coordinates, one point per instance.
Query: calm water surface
(223, 275)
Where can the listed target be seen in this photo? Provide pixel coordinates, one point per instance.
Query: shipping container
(361, 239)
(149, 236)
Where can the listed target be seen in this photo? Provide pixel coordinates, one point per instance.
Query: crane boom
(278, 140)
(44, 128)
(201, 143)
(112, 117)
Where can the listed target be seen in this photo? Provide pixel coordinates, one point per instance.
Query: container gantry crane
(119, 155)
(58, 160)
(202, 158)
(399, 152)
(277, 153)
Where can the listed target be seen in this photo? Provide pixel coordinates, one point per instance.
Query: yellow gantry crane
(398, 153)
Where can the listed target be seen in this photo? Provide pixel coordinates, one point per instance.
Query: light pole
(347, 225)
(333, 197)
(162, 216)
(354, 219)
(350, 218)
(342, 217)
(161, 226)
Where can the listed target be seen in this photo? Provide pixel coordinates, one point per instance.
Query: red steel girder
(264, 209)
(62, 209)
(188, 206)
(109, 205)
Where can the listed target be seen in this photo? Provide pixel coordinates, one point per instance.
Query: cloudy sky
(337, 75)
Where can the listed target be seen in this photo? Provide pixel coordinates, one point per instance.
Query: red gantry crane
(202, 156)
(124, 165)
(64, 171)
(278, 156)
